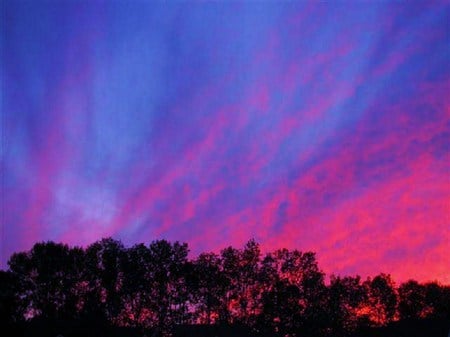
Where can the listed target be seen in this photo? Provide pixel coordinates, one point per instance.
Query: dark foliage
(107, 289)
(428, 327)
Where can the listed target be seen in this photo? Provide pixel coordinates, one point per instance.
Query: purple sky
(315, 126)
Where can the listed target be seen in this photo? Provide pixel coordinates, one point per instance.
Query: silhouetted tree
(281, 308)
(295, 274)
(437, 299)
(48, 278)
(9, 286)
(167, 280)
(412, 302)
(248, 287)
(103, 279)
(136, 285)
(313, 294)
(381, 302)
(21, 267)
(208, 290)
(230, 258)
(345, 296)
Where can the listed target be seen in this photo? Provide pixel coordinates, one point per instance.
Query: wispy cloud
(323, 127)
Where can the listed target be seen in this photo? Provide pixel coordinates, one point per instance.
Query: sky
(306, 125)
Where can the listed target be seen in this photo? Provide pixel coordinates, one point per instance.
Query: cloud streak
(319, 127)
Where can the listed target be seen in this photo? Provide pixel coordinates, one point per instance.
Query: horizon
(157, 288)
(318, 127)
(193, 256)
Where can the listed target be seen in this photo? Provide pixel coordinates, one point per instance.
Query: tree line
(157, 286)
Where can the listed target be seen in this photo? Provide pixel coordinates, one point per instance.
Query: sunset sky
(315, 126)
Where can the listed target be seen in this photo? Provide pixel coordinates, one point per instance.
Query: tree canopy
(157, 286)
